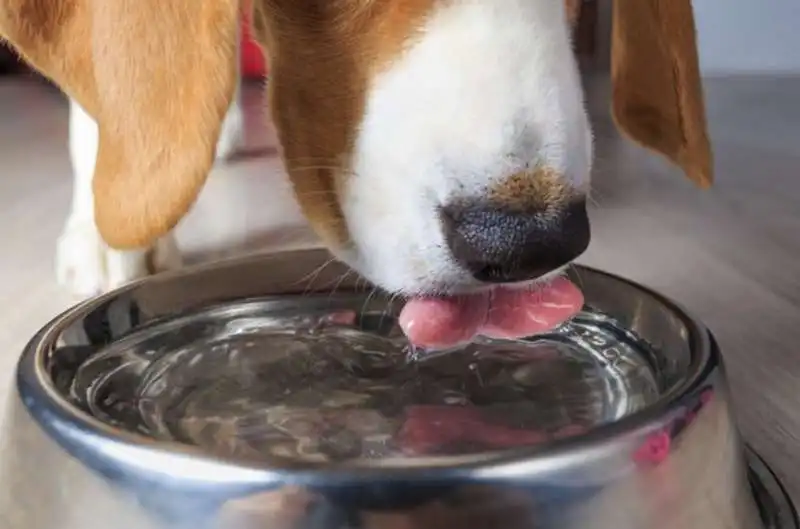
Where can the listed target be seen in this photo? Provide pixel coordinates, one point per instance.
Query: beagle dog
(438, 147)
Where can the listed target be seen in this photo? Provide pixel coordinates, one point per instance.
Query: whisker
(338, 284)
(594, 191)
(577, 273)
(361, 282)
(314, 274)
(368, 299)
(393, 297)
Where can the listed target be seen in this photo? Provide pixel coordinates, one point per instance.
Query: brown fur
(158, 76)
(541, 190)
(321, 63)
(658, 94)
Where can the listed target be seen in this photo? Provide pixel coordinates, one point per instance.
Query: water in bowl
(252, 381)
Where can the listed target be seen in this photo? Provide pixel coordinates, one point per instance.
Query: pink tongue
(443, 322)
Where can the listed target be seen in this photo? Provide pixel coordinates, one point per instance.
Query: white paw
(86, 266)
(231, 137)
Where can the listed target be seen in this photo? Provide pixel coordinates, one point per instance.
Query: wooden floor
(731, 255)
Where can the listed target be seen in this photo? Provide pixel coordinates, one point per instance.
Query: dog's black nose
(501, 245)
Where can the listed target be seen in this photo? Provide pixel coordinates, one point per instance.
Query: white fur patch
(491, 88)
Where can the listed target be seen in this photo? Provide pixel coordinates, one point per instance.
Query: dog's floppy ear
(657, 91)
(157, 76)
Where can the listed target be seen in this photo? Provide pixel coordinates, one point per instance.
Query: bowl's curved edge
(777, 508)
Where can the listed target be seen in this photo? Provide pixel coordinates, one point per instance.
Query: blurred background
(730, 254)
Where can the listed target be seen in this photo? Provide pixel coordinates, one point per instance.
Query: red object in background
(252, 61)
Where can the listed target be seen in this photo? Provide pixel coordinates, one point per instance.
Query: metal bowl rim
(68, 424)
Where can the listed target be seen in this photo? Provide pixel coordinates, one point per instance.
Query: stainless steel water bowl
(254, 394)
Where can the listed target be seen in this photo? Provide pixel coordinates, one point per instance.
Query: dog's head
(434, 145)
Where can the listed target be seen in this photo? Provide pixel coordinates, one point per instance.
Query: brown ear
(657, 91)
(157, 76)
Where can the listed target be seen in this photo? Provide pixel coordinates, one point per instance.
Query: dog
(84, 263)
(438, 147)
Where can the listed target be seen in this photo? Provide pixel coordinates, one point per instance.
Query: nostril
(502, 245)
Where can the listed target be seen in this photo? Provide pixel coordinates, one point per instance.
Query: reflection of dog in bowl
(439, 148)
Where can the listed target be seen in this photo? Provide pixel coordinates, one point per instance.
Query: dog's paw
(86, 266)
(231, 137)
